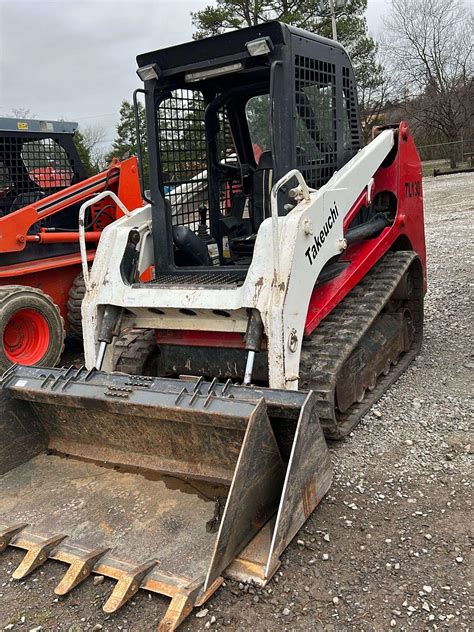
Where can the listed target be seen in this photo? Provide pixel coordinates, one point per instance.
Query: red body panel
(403, 179)
(230, 340)
(54, 281)
(9, 273)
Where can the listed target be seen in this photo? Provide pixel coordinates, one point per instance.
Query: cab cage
(198, 137)
(37, 158)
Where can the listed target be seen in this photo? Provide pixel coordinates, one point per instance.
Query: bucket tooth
(7, 534)
(180, 607)
(80, 569)
(128, 584)
(37, 555)
(184, 601)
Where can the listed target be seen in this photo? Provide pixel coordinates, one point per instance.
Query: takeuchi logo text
(312, 251)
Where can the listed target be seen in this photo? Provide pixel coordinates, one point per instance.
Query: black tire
(34, 339)
(74, 304)
(135, 352)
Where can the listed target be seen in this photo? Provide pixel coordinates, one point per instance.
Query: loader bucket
(160, 484)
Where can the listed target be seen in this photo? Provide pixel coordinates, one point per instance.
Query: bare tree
(21, 113)
(93, 138)
(376, 90)
(431, 50)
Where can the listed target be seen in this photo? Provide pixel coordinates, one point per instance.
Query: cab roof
(211, 50)
(23, 125)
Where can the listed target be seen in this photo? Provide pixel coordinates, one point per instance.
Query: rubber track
(74, 305)
(132, 350)
(332, 342)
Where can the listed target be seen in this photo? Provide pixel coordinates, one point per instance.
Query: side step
(159, 484)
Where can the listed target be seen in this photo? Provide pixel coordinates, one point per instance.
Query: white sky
(75, 59)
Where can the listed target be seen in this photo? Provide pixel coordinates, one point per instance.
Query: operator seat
(241, 246)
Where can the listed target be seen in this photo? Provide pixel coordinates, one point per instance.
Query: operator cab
(229, 115)
(37, 158)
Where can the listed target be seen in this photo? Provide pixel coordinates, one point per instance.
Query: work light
(190, 77)
(260, 46)
(146, 73)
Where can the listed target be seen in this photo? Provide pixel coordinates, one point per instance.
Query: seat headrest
(265, 161)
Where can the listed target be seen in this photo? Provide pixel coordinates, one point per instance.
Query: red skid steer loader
(286, 297)
(42, 186)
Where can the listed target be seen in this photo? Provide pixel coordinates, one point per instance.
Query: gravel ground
(389, 547)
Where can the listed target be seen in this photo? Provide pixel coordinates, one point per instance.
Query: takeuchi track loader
(286, 295)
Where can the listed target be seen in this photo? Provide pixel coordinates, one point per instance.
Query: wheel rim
(26, 337)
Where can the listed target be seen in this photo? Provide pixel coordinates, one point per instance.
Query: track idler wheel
(31, 328)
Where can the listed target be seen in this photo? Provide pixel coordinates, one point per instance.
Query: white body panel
(279, 284)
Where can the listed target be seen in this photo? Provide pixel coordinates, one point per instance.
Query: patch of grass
(42, 617)
(14, 619)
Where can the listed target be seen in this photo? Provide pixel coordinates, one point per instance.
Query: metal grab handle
(294, 173)
(82, 230)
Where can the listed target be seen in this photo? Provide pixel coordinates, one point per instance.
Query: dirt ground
(389, 546)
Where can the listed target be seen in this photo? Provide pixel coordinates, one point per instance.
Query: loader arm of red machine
(16, 227)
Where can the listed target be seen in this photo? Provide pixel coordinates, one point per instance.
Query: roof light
(260, 46)
(146, 73)
(212, 72)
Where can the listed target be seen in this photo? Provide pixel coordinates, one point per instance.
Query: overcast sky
(75, 59)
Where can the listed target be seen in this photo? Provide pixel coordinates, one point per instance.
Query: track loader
(42, 186)
(286, 295)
